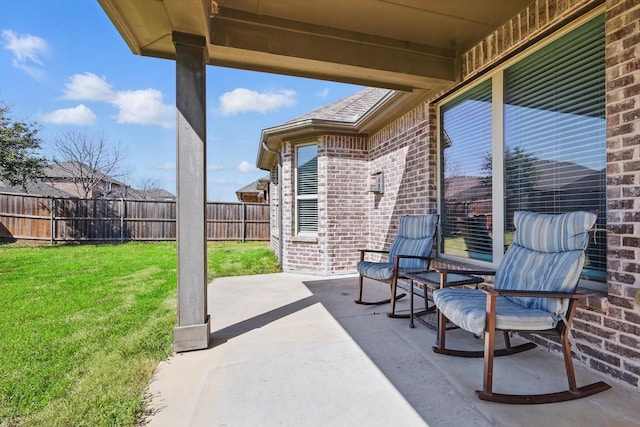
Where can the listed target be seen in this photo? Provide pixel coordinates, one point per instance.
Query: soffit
(397, 44)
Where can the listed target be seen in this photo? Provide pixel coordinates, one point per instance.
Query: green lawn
(82, 328)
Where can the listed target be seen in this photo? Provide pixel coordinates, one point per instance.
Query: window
(307, 189)
(531, 137)
(467, 124)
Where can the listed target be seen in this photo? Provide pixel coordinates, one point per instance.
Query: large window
(530, 137)
(307, 189)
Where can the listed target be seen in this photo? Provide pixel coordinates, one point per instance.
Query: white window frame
(303, 197)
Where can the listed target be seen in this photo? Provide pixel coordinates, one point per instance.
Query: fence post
(53, 220)
(244, 221)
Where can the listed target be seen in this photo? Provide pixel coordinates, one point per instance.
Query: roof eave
(389, 106)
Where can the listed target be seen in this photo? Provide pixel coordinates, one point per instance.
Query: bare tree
(147, 188)
(89, 160)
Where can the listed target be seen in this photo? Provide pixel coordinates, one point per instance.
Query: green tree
(19, 148)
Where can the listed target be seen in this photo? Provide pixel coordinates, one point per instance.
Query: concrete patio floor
(294, 350)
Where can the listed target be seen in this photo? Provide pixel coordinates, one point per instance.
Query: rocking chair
(534, 292)
(410, 252)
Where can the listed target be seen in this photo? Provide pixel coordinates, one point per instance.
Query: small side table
(434, 278)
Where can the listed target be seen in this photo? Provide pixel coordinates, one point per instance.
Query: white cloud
(241, 100)
(143, 106)
(80, 115)
(165, 166)
(27, 52)
(88, 87)
(245, 167)
(323, 93)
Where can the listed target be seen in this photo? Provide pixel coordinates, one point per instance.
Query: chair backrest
(547, 254)
(416, 234)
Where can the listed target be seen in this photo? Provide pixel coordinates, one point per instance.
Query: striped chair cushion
(415, 237)
(547, 254)
(524, 269)
(467, 309)
(553, 233)
(383, 271)
(417, 226)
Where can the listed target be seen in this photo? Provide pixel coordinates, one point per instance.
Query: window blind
(466, 141)
(554, 150)
(307, 188)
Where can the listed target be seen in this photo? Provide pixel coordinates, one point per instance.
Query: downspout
(279, 211)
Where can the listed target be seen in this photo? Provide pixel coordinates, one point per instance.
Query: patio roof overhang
(396, 44)
(412, 46)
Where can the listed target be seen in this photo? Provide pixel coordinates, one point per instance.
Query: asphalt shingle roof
(347, 110)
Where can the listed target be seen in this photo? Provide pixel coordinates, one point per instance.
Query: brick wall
(344, 181)
(301, 253)
(351, 218)
(342, 219)
(614, 336)
(405, 152)
(538, 19)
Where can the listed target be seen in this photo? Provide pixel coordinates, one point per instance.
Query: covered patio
(293, 350)
(406, 45)
(351, 361)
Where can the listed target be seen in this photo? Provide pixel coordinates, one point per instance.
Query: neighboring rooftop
(67, 172)
(255, 191)
(38, 188)
(70, 170)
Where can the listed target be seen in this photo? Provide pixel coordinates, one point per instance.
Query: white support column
(193, 329)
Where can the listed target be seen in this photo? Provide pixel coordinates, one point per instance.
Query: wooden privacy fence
(56, 219)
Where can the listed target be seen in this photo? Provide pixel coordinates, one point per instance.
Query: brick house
(546, 117)
(79, 180)
(255, 192)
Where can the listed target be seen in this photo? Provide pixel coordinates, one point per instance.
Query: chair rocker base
(385, 301)
(532, 399)
(398, 316)
(480, 353)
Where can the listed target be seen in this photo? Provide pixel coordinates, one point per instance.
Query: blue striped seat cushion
(467, 309)
(382, 271)
(415, 237)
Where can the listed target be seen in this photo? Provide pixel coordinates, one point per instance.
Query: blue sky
(64, 66)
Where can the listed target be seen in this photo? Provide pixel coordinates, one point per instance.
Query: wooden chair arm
(468, 272)
(372, 251)
(397, 258)
(425, 258)
(532, 294)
